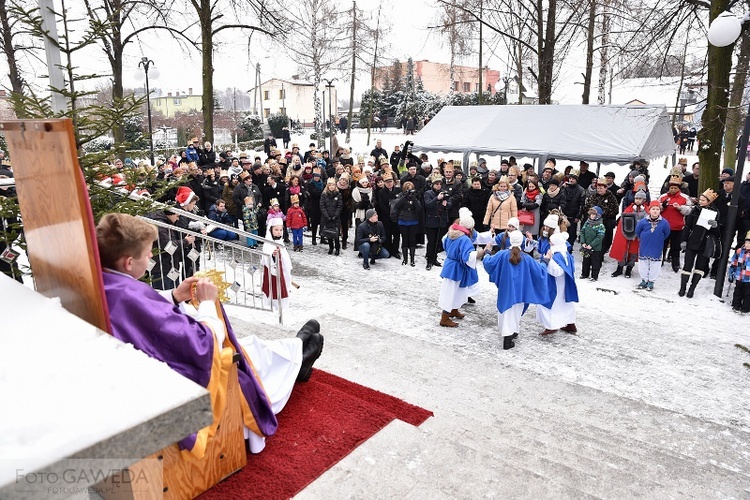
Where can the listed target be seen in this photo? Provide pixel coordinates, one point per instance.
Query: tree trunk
(16, 80)
(118, 131)
(603, 56)
(714, 117)
(207, 60)
(354, 69)
(589, 53)
(736, 111)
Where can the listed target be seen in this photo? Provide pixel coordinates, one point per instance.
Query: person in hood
(625, 243)
(459, 273)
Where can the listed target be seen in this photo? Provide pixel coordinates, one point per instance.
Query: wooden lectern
(62, 250)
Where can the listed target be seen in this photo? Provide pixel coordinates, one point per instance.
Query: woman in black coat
(314, 188)
(330, 215)
(699, 243)
(475, 199)
(436, 205)
(407, 212)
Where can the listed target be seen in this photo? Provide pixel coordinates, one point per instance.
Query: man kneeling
(197, 342)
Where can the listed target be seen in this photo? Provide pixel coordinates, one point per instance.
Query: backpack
(628, 225)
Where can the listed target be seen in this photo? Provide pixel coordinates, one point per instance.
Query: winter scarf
(318, 184)
(502, 195)
(531, 194)
(296, 189)
(551, 194)
(654, 222)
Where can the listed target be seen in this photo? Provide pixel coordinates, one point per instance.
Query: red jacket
(675, 216)
(296, 218)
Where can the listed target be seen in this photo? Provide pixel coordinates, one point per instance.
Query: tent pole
(598, 167)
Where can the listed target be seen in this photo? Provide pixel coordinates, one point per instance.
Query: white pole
(56, 79)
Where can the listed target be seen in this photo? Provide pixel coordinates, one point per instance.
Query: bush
(276, 122)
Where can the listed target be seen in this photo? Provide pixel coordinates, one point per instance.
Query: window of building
(267, 112)
(266, 95)
(467, 87)
(476, 87)
(177, 102)
(282, 94)
(455, 86)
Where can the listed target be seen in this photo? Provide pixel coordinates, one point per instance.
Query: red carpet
(324, 420)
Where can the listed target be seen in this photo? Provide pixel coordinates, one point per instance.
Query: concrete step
(499, 428)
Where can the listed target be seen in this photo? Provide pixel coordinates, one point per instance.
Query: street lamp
(329, 84)
(724, 31)
(146, 64)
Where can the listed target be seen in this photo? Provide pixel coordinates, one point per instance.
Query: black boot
(405, 256)
(693, 284)
(429, 265)
(314, 241)
(330, 247)
(617, 272)
(311, 351)
(436, 263)
(412, 251)
(683, 283)
(508, 343)
(628, 271)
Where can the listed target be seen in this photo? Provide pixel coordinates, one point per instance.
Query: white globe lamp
(725, 30)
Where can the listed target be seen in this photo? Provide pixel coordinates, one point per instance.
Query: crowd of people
(389, 204)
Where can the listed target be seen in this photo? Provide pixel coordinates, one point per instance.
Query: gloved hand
(730, 277)
(683, 246)
(664, 204)
(713, 223)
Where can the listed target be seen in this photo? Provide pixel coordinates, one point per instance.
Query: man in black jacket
(369, 239)
(574, 197)
(378, 151)
(383, 207)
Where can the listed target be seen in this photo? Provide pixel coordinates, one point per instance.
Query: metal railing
(242, 267)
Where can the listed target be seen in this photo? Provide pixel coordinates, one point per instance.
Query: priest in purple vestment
(198, 343)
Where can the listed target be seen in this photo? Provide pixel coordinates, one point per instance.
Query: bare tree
(216, 16)
(9, 34)
(319, 47)
(111, 19)
(737, 109)
(458, 28)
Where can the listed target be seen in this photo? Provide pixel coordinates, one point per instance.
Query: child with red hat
(651, 231)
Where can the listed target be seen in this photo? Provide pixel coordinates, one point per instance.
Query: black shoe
(514, 336)
(308, 329)
(311, 351)
(628, 272)
(396, 255)
(508, 343)
(437, 263)
(429, 266)
(343, 245)
(330, 251)
(366, 266)
(372, 261)
(337, 252)
(617, 272)
(471, 301)
(314, 242)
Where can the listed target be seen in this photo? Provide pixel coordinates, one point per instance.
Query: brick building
(436, 77)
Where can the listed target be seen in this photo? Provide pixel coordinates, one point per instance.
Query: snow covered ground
(655, 347)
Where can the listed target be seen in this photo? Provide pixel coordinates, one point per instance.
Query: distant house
(687, 107)
(176, 101)
(295, 98)
(436, 77)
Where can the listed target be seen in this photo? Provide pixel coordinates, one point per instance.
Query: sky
(234, 64)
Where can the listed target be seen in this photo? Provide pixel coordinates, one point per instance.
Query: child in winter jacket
(651, 231)
(250, 220)
(739, 271)
(591, 238)
(296, 220)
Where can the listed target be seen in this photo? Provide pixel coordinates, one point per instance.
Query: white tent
(606, 134)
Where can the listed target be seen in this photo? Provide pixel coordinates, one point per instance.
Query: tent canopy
(607, 134)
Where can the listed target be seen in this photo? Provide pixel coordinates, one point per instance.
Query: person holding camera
(437, 204)
(407, 212)
(370, 237)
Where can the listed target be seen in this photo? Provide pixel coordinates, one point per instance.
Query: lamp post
(146, 64)
(329, 84)
(724, 31)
